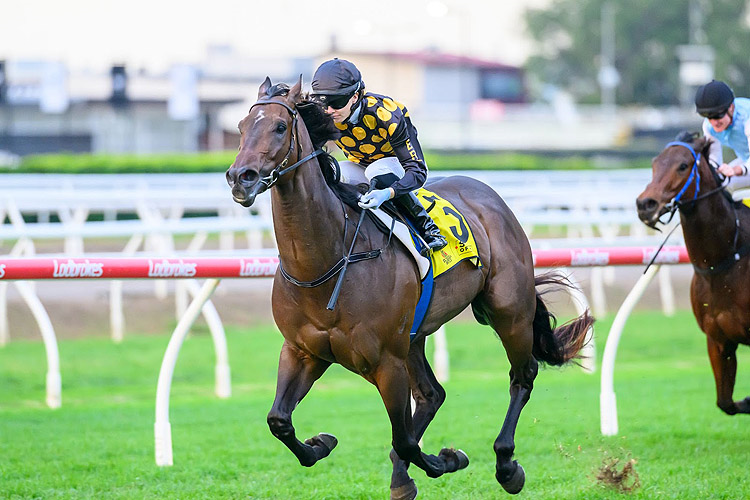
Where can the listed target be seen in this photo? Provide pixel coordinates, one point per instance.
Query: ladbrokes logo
(665, 257)
(2, 271)
(72, 269)
(255, 268)
(166, 269)
(589, 258)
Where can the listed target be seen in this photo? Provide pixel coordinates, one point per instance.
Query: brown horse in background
(368, 331)
(717, 237)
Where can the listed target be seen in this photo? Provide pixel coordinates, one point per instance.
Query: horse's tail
(556, 345)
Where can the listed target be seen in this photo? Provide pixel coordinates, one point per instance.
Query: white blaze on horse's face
(260, 116)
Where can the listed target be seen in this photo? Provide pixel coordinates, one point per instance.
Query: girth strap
(355, 257)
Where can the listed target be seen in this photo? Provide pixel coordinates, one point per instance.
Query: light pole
(608, 76)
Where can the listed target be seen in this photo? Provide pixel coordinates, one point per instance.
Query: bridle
(694, 178)
(268, 181)
(676, 204)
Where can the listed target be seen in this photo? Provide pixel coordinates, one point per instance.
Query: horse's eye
(683, 167)
(281, 128)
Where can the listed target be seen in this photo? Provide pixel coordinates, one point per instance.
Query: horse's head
(675, 178)
(268, 141)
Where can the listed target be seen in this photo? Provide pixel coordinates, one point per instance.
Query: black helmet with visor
(713, 99)
(335, 82)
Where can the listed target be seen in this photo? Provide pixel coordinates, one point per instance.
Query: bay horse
(368, 330)
(717, 238)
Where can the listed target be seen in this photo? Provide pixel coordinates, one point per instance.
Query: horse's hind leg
(297, 373)
(517, 338)
(724, 364)
(429, 396)
(392, 381)
(508, 472)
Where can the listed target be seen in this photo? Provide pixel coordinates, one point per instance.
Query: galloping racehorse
(368, 330)
(717, 237)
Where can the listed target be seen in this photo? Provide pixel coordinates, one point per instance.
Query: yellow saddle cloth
(454, 228)
(746, 202)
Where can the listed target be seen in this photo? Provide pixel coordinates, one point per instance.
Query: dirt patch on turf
(621, 478)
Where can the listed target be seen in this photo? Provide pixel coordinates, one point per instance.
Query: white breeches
(353, 173)
(737, 182)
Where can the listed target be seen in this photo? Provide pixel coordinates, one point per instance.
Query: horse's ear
(264, 87)
(294, 92)
(702, 144)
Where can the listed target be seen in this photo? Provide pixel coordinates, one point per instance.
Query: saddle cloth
(453, 227)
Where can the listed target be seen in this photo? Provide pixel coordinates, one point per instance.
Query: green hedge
(130, 163)
(220, 161)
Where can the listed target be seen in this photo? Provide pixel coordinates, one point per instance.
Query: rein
(676, 204)
(271, 179)
(338, 266)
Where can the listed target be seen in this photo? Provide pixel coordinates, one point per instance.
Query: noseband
(268, 181)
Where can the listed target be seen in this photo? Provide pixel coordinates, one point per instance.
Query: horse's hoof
(323, 444)
(328, 440)
(515, 483)
(406, 491)
(463, 459)
(743, 406)
(455, 459)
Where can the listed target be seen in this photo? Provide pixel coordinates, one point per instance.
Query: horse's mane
(687, 136)
(319, 124)
(321, 129)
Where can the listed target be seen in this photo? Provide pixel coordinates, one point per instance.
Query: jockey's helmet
(336, 77)
(713, 98)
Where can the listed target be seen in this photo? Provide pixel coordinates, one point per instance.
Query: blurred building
(44, 108)
(440, 86)
(457, 102)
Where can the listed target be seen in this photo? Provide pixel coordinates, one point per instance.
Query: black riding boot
(419, 216)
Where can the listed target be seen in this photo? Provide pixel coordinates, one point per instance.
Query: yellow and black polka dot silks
(369, 139)
(381, 128)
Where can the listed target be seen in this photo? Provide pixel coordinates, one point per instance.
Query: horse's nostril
(646, 204)
(248, 177)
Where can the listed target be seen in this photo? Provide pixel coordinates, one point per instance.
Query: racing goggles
(334, 101)
(715, 116)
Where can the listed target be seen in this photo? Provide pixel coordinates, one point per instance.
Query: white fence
(580, 208)
(587, 203)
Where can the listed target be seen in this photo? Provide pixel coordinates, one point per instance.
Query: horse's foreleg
(724, 364)
(392, 381)
(429, 396)
(509, 473)
(297, 373)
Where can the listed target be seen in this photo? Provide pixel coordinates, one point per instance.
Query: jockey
(727, 120)
(379, 141)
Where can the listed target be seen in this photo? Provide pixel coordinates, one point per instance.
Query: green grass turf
(100, 443)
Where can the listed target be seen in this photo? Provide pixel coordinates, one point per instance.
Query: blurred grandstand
(459, 103)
